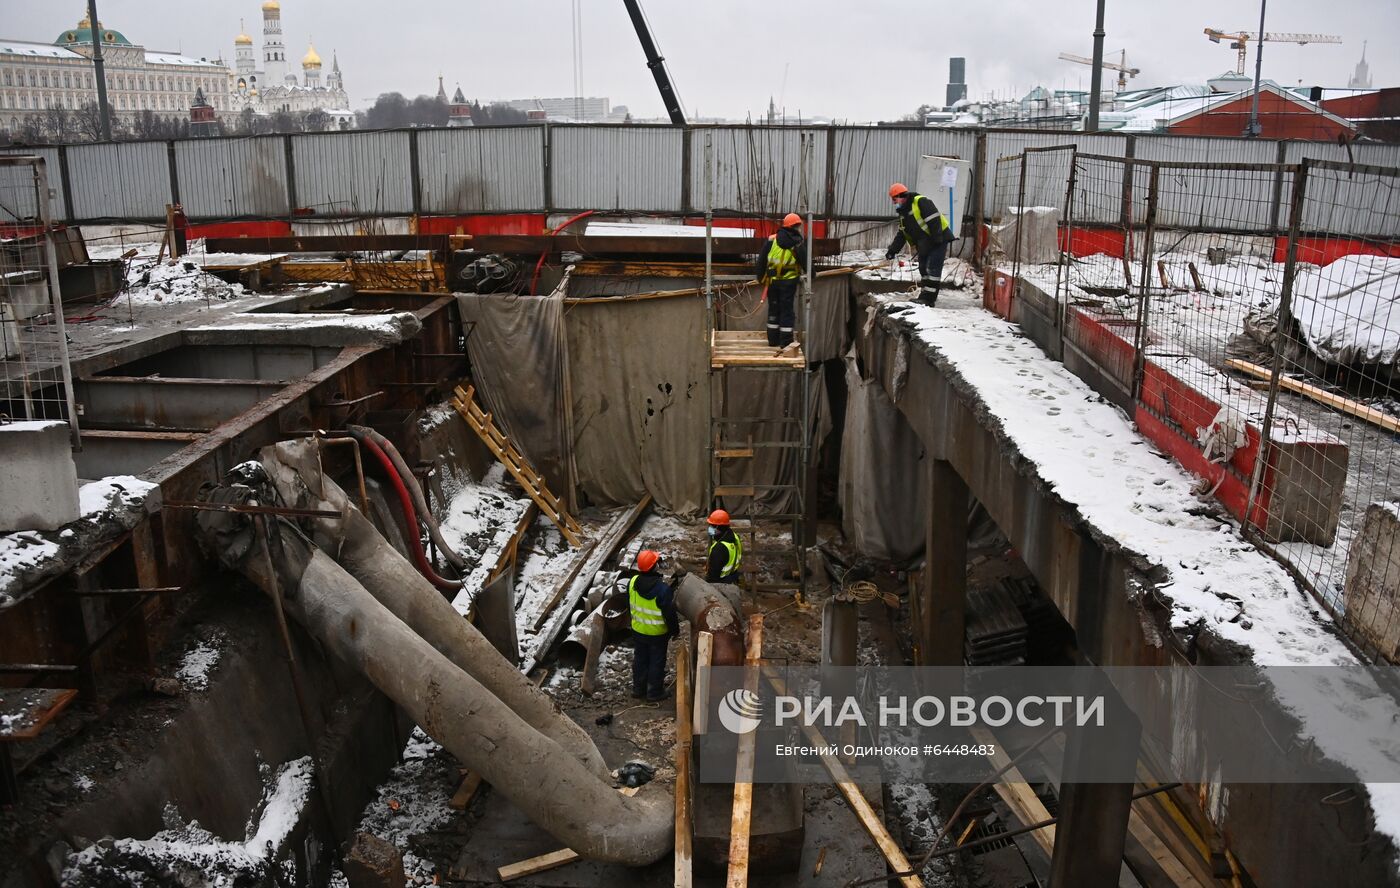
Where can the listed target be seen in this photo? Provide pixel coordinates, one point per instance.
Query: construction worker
(925, 230)
(726, 551)
(654, 621)
(779, 266)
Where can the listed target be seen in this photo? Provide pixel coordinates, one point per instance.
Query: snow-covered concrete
(1088, 454)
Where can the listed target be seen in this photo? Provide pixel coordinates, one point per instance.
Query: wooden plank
(704, 655)
(685, 826)
(584, 557)
(508, 554)
(464, 794)
(1195, 277)
(860, 806)
(1016, 792)
(538, 864)
(29, 710)
(740, 819)
(624, 268)
(606, 544)
(734, 453)
(1322, 396)
(515, 463)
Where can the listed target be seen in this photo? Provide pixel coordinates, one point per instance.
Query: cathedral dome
(272, 6)
(243, 40)
(311, 59)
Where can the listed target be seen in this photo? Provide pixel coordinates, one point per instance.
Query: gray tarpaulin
(637, 370)
(884, 484)
(516, 346)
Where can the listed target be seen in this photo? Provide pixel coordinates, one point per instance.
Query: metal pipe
(1096, 74)
(1252, 129)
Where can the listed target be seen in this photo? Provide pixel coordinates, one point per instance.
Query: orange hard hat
(720, 518)
(897, 189)
(646, 560)
(791, 219)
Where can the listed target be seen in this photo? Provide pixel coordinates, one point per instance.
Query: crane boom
(1239, 41)
(656, 62)
(1124, 72)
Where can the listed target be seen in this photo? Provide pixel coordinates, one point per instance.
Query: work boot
(929, 296)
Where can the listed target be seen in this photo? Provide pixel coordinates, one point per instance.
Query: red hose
(534, 281)
(406, 502)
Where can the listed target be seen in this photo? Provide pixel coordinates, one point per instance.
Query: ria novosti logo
(740, 711)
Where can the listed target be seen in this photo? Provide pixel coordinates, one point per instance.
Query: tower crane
(1239, 41)
(1124, 72)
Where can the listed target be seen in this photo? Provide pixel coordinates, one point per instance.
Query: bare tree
(57, 123)
(87, 122)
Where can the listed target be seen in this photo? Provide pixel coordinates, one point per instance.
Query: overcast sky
(856, 60)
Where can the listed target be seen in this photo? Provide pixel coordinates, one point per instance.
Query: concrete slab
(39, 486)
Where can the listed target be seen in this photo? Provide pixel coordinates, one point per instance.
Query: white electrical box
(947, 181)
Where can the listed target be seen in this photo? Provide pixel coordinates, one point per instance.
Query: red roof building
(1282, 115)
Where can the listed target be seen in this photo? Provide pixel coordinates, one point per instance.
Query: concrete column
(942, 618)
(1093, 823)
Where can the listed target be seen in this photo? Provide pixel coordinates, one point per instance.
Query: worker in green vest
(926, 231)
(653, 608)
(780, 264)
(726, 550)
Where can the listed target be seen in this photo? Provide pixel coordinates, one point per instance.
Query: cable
(415, 544)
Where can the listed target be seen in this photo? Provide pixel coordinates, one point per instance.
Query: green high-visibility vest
(922, 222)
(735, 549)
(782, 263)
(646, 613)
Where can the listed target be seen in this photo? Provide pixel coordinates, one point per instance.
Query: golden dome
(272, 6)
(311, 59)
(243, 40)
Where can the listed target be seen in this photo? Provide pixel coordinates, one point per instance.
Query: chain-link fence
(35, 379)
(1248, 317)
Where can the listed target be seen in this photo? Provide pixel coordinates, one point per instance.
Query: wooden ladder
(515, 463)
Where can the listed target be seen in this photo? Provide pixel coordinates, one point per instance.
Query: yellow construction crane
(1124, 72)
(1239, 41)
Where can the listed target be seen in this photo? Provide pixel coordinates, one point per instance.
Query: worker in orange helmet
(652, 603)
(779, 266)
(726, 550)
(926, 231)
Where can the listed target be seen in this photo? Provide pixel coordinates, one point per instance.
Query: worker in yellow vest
(653, 608)
(926, 232)
(726, 550)
(780, 264)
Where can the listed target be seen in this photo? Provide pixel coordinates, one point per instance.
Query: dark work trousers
(782, 295)
(931, 272)
(649, 665)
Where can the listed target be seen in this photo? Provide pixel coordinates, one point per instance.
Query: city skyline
(1004, 57)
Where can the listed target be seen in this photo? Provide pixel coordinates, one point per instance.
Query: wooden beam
(704, 654)
(869, 820)
(685, 827)
(1016, 792)
(1322, 396)
(465, 792)
(631, 246)
(740, 819)
(603, 549)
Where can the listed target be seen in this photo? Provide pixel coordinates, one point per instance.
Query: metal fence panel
(482, 169)
(1252, 202)
(120, 180)
(353, 174)
(1004, 144)
(1371, 153)
(758, 169)
(616, 168)
(27, 208)
(232, 178)
(867, 159)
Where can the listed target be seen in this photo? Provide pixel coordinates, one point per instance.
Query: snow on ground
(114, 491)
(174, 280)
(413, 801)
(198, 662)
(391, 326)
(478, 526)
(187, 854)
(1082, 446)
